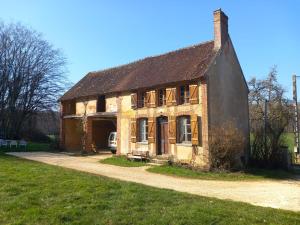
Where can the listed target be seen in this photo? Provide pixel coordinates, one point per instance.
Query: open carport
(101, 128)
(98, 128)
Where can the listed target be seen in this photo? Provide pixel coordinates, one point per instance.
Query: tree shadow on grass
(277, 174)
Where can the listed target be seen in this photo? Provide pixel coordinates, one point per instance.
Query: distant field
(289, 140)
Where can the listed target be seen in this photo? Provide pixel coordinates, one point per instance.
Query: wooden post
(265, 122)
(296, 125)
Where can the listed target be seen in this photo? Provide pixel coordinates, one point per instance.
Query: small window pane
(187, 94)
(181, 95)
(184, 94)
(189, 137)
(141, 99)
(161, 97)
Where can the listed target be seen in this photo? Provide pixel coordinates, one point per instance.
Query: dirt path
(276, 194)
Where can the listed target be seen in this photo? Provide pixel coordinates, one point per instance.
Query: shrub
(55, 145)
(226, 147)
(35, 135)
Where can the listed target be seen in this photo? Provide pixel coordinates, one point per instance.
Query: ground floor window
(143, 130)
(184, 133)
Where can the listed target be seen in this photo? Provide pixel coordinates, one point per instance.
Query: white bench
(23, 143)
(141, 155)
(3, 143)
(13, 143)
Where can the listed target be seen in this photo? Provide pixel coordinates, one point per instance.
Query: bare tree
(31, 76)
(270, 114)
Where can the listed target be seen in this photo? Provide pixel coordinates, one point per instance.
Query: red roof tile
(181, 65)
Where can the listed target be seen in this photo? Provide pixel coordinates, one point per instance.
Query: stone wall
(228, 93)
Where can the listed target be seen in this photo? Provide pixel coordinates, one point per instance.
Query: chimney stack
(220, 28)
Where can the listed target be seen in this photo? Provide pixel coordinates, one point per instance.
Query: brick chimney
(220, 28)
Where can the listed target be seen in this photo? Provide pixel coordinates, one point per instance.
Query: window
(184, 134)
(143, 130)
(69, 108)
(161, 97)
(141, 99)
(184, 94)
(101, 103)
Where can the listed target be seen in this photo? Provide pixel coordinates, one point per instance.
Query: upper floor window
(101, 106)
(143, 130)
(184, 94)
(141, 99)
(69, 108)
(161, 97)
(184, 134)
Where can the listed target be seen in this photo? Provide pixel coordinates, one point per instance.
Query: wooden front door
(162, 139)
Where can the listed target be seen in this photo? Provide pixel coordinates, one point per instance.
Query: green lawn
(251, 174)
(122, 161)
(35, 193)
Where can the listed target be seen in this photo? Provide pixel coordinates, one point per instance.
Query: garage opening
(101, 128)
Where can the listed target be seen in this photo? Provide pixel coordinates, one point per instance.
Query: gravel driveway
(283, 194)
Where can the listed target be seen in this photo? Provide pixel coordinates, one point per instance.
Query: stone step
(153, 164)
(164, 157)
(159, 161)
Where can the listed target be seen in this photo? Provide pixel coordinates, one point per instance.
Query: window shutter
(194, 128)
(193, 93)
(171, 96)
(168, 96)
(200, 131)
(148, 98)
(152, 99)
(133, 130)
(174, 96)
(134, 101)
(151, 129)
(172, 129)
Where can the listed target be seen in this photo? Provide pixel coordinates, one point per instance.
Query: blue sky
(95, 35)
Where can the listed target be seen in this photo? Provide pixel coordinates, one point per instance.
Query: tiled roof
(181, 65)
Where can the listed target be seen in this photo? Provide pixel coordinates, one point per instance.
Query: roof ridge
(147, 57)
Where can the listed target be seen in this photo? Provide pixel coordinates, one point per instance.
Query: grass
(31, 147)
(251, 174)
(122, 161)
(35, 193)
(289, 140)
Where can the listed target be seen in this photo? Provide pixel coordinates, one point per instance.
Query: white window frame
(143, 130)
(186, 132)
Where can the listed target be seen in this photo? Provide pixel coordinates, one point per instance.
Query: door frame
(159, 121)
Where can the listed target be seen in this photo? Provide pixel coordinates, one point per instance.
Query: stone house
(164, 104)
